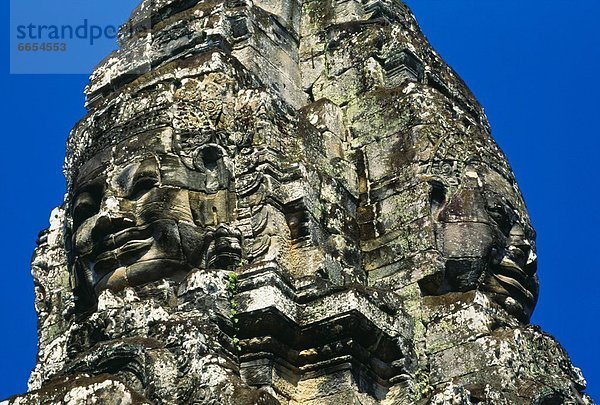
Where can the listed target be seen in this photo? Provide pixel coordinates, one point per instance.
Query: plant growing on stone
(232, 287)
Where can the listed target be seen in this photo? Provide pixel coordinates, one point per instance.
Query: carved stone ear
(194, 243)
(225, 249)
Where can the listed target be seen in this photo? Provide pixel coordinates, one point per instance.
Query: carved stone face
(152, 217)
(487, 242)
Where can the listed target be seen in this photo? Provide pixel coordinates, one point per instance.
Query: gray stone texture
(285, 202)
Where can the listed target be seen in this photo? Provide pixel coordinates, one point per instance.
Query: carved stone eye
(502, 216)
(86, 205)
(143, 184)
(146, 178)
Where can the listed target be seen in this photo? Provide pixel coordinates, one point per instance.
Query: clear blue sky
(532, 64)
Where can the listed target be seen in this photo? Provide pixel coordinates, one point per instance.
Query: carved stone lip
(139, 273)
(513, 270)
(126, 254)
(511, 274)
(129, 246)
(517, 254)
(118, 239)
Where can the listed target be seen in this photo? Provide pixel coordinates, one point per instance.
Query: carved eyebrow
(81, 194)
(85, 204)
(148, 169)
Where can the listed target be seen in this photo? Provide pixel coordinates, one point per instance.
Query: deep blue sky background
(532, 64)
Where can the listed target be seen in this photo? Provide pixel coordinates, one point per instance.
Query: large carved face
(487, 241)
(141, 214)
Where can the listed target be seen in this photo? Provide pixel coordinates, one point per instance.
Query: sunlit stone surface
(283, 202)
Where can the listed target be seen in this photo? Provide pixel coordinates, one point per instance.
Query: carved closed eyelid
(502, 216)
(88, 194)
(146, 177)
(86, 205)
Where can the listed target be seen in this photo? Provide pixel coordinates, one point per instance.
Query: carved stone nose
(517, 232)
(103, 224)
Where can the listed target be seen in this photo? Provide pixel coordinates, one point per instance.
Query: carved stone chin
(300, 203)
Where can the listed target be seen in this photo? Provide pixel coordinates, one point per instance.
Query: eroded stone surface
(288, 202)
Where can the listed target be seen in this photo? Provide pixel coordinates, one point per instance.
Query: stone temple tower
(288, 202)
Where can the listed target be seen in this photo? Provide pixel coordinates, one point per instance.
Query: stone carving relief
(153, 217)
(486, 242)
(299, 202)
